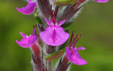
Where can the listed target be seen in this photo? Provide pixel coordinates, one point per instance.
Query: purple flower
(72, 52)
(74, 56)
(101, 1)
(27, 41)
(29, 9)
(54, 35)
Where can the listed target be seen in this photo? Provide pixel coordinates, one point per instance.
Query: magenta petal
(74, 56)
(23, 35)
(101, 1)
(29, 1)
(48, 21)
(80, 48)
(27, 41)
(68, 53)
(54, 35)
(61, 22)
(28, 9)
(33, 33)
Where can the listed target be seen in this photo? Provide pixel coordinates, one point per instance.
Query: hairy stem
(49, 50)
(49, 66)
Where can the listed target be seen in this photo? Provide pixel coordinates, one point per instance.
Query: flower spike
(29, 9)
(27, 41)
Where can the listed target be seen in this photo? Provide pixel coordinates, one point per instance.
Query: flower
(27, 41)
(54, 34)
(101, 1)
(73, 54)
(29, 9)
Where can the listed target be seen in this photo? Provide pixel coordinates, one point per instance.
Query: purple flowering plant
(53, 22)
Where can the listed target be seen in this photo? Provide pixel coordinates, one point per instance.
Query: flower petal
(28, 9)
(101, 1)
(32, 38)
(54, 35)
(74, 56)
(68, 53)
(23, 44)
(48, 21)
(80, 48)
(61, 22)
(23, 35)
(26, 41)
(77, 59)
(33, 33)
(29, 1)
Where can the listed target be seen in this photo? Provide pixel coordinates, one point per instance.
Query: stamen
(71, 52)
(80, 34)
(70, 46)
(71, 37)
(76, 40)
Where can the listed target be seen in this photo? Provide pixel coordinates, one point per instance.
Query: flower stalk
(49, 65)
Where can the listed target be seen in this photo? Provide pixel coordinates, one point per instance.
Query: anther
(80, 34)
(78, 37)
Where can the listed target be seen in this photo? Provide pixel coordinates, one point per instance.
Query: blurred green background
(95, 22)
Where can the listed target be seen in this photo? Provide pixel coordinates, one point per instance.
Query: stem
(49, 50)
(49, 65)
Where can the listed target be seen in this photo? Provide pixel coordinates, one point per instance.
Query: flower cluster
(53, 17)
